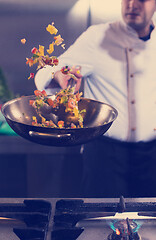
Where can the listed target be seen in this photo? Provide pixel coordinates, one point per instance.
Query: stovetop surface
(59, 219)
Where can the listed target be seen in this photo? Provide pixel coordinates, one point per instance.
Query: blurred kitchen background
(28, 169)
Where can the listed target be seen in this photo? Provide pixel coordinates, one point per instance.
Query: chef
(117, 63)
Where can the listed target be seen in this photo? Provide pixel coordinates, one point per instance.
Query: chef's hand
(64, 80)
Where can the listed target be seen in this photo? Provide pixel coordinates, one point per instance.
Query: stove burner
(114, 236)
(124, 230)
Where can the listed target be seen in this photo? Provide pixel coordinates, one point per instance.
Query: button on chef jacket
(119, 69)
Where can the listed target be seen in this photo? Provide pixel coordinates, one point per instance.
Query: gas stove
(78, 219)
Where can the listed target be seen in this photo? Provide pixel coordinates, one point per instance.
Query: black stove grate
(35, 214)
(59, 219)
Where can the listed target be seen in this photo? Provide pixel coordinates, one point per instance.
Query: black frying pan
(97, 120)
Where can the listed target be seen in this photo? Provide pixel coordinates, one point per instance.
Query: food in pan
(64, 104)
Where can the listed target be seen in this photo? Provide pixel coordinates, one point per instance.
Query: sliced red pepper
(37, 92)
(44, 93)
(55, 61)
(31, 102)
(34, 50)
(50, 101)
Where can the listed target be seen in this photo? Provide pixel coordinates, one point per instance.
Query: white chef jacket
(118, 69)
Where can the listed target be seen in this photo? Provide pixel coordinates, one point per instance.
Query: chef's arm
(46, 79)
(81, 53)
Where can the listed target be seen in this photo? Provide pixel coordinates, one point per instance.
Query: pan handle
(47, 135)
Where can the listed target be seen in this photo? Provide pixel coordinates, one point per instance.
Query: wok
(97, 120)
